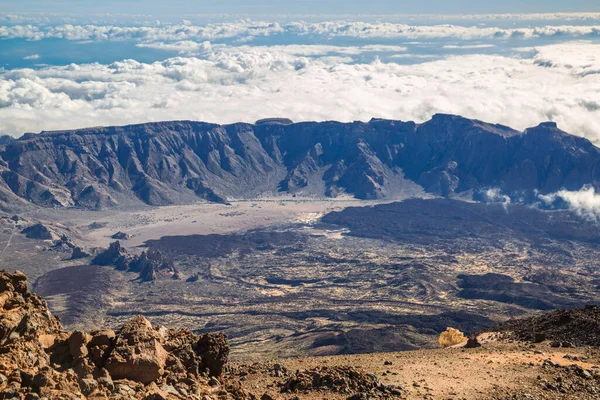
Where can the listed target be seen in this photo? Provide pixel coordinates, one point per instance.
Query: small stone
(169, 389)
(183, 391)
(547, 363)
(10, 393)
(15, 378)
(107, 382)
(78, 344)
(88, 386)
(584, 373)
(103, 338)
(40, 380)
(539, 337)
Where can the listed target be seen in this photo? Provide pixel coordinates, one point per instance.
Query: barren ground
(281, 283)
(499, 369)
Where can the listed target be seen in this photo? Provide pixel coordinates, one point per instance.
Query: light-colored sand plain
(205, 218)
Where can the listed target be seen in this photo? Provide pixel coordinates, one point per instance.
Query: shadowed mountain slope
(176, 162)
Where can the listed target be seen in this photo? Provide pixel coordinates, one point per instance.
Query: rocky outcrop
(40, 360)
(115, 255)
(79, 253)
(472, 342)
(137, 353)
(23, 316)
(347, 380)
(64, 244)
(41, 232)
(577, 327)
(121, 236)
(173, 162)
(152, 264)
(149, 265)
(214, 351)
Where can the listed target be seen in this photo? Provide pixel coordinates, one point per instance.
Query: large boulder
(138, 354)
(41, 232)
(214, 350)
(78, 344)
(451, 337)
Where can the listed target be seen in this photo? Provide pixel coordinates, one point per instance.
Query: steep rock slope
(173, 162)
(38, 359)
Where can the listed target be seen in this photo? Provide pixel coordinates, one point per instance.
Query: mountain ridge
(161, 163)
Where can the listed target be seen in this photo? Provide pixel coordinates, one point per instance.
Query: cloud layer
(585, 202)
(230, 84)
(245, 30)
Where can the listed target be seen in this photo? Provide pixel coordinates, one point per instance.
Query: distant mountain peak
(548, 124)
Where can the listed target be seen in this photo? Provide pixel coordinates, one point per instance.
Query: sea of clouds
(246, 30)
(345, 70)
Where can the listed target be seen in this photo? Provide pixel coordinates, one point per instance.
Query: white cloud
(245, 30)
(495, 195)
(247, 83)
(32, 57)
(469, 46)
(185, 47)
(29, 32)
(516, 16)
(574, 58)
(585, 202)
(190, 48)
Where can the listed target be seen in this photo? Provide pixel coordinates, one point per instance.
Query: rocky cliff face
(38, 359)
(171, 162)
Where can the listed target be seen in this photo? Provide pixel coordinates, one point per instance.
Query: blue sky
(297, 6)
